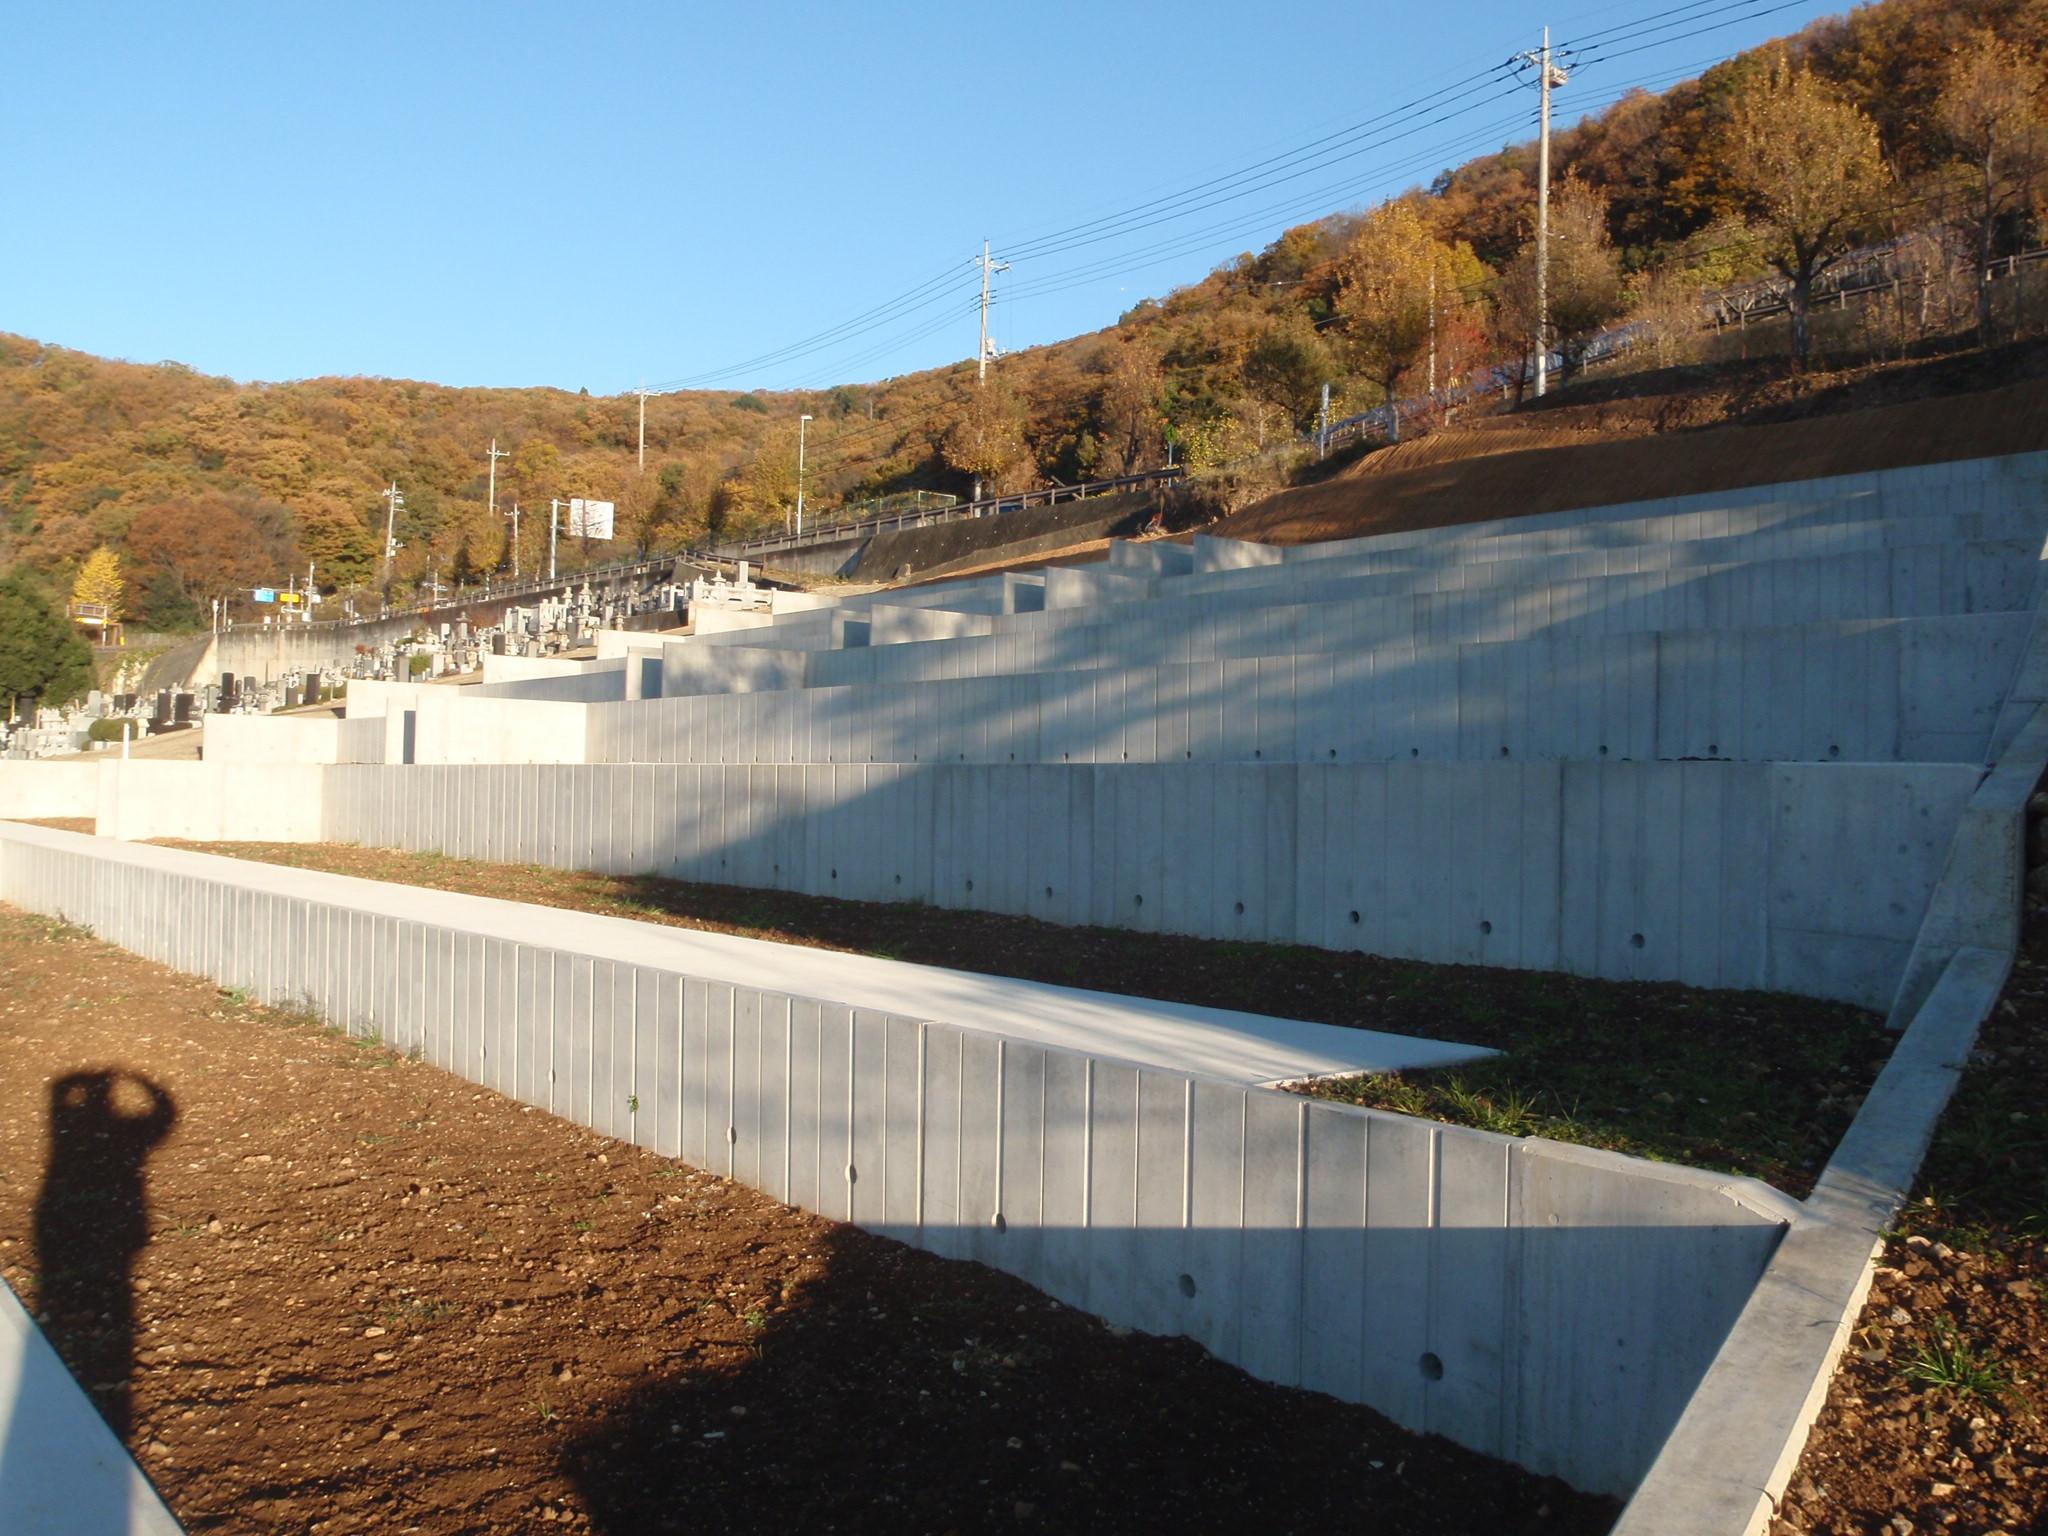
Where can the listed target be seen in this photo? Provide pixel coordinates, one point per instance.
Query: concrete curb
(62, 1472)
(1726, 1465)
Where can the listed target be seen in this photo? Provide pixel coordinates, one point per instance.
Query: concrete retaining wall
(272, 739)
(580, 682)
(1958, 579)
(211, 802)
(1907, 690)
(458, 726)
(37, 791)
(1717, 874)
(1548, 1304)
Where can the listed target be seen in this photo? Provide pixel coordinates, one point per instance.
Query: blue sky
(596, 196)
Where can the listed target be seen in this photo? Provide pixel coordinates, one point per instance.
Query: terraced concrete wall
(1921, 582)
(1717, 874)
(1551, 1305)
(1886, 690)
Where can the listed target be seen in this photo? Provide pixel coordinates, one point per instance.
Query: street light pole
(801, 421)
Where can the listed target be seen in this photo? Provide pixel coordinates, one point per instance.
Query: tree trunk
(1393, 415)
(1802, 299)
(1984, 234)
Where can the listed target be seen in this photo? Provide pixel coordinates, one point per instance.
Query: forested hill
(204, 485)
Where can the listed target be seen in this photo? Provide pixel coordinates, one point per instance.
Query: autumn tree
(1288, 368)
(1127, 408)
(986, 438)
(197, 548)
(1803, 165)
(1392, 278)
(42, 660)
(1583, 291)
(1989, 113)
(100, 585)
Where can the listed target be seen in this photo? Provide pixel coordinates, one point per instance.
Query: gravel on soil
(324, 1288)
(1934, 1421)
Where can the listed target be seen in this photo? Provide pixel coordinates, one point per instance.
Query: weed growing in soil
(1946, 1360)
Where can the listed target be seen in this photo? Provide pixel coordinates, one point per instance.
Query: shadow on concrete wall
(902, 1392)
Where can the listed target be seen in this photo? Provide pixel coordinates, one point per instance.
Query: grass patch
(1715, 1080)
(1948, 1361)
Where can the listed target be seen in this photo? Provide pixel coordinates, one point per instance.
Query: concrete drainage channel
(1551, 1305)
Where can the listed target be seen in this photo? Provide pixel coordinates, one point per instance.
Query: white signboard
(589, 519)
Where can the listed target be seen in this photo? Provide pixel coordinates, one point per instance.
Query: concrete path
(62, 1472)
(1245, 1049)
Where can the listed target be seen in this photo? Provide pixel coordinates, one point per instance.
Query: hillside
(206, 486)
(1672, 436)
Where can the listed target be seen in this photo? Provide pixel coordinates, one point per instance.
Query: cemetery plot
(363, 1295)
(1756, 1083)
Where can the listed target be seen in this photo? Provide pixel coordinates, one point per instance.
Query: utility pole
(311, 566)
(515, 541)
(1548, 76)
(1432, 331)
(643, 428)
(394, 499)
(988, 268)
(553, 503)
(801, 423)
(494, 454)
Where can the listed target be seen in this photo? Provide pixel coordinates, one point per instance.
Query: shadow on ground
(873, 1399)
(92, 1220)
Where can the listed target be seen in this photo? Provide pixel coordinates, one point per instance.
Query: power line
(1058, 239)
(1378, 131)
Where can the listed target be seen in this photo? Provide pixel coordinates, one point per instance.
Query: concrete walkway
(62, 1472)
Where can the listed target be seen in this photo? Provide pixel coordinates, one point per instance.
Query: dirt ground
(323, 1288)
(1749, 1082)
(1675, 433)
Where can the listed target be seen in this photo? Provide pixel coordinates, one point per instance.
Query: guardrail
(987, 506)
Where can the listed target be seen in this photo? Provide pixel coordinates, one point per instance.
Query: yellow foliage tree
(1990, 112)
(1806, 169)
(1393, 278)
(99, 583)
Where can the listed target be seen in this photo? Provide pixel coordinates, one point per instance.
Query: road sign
(266, 594)
(589, 519)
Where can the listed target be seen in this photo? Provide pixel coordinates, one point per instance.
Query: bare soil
(1935, 1420)
(1748, 1082)
(1678, 432)
(318, 1287)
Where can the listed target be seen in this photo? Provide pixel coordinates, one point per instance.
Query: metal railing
(987, 506)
